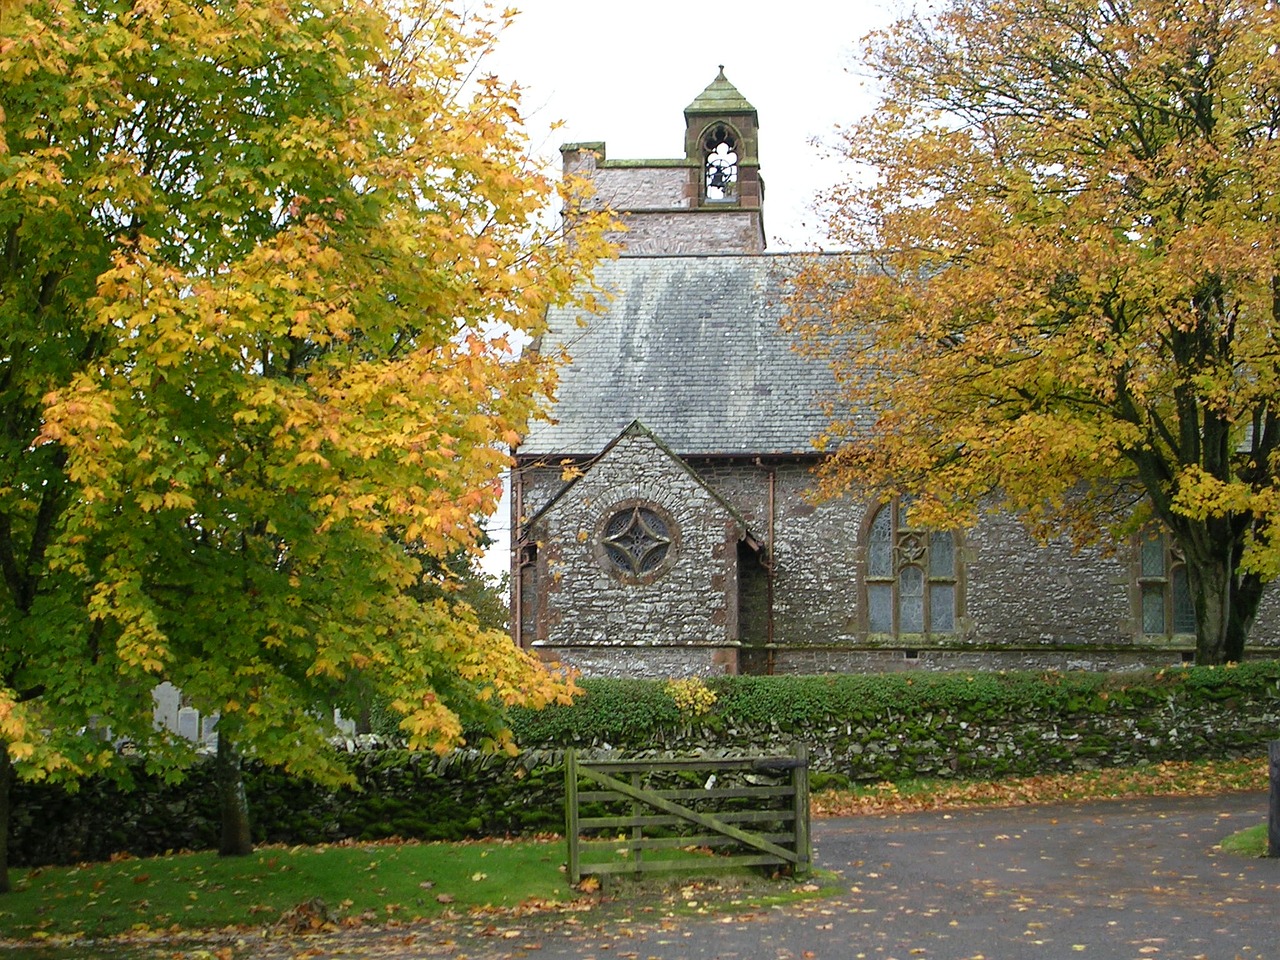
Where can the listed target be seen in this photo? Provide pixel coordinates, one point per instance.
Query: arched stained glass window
(912, 576)
(1163, 592)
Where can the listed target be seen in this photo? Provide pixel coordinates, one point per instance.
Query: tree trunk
(1226, 604)
(1246, 597)
(6, 794)
(236, 840)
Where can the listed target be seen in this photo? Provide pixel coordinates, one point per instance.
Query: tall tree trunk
(1210, 589)
(1226, 604)
(1246, 597)
(236, 840)
(6, 794)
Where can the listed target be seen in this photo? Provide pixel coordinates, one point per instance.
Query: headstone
(168, 700)
(345, 726)
(207, 726)
(189, 724)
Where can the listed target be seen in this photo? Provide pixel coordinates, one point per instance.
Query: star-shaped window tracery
(636, 541)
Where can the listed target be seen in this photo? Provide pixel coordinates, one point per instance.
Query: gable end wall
(681, 622)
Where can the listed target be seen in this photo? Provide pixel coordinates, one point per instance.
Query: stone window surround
(733, 138)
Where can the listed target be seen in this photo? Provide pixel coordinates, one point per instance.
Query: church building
(660, 521)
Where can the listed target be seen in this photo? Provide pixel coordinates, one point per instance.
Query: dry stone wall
(978, 725)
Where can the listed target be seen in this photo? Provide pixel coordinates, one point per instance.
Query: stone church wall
(1020, 592)
(1025, 605)
(722, 231)
(636, 188)
(539, 485)
(657, 201)
(632, 184)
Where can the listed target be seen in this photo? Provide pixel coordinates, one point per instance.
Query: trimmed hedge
(858, 728)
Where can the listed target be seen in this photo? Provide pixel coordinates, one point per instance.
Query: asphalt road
(1128, 880)
(1114, 880)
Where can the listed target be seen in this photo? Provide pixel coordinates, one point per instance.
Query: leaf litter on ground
(1168, 778)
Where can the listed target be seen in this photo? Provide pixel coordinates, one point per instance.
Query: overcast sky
(624, 72)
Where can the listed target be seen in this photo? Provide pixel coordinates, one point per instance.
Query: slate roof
(691, 346)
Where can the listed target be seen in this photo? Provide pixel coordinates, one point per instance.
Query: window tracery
(1163, 591)
(636, 541)
(912, 575)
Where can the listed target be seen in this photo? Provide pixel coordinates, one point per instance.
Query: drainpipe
(517, 557)
(768, 572)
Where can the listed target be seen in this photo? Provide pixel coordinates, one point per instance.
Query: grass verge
(1250, 842)
(299, 888)
(312, 889)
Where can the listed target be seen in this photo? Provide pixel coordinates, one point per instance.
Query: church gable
(637, 552)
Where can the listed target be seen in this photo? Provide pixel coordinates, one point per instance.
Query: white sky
(624, 72)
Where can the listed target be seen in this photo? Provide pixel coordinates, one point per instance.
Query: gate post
(571, 813)
(800, 785)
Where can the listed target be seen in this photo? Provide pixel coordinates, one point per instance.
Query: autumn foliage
(262, 271)
(1064, 298)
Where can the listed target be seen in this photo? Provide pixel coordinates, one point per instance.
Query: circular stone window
(637, 541)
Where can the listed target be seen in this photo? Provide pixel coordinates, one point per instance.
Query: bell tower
(722, 138)
(708, 201)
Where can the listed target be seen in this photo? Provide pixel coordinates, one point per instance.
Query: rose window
(636, 541)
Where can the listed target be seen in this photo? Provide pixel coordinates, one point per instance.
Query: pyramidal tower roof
(720, 97)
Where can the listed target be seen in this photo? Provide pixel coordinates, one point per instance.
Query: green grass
(196, 891)
(1251, 842)
(362, 883)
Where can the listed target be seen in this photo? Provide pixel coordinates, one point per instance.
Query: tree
(259, 268)
(1069, 298)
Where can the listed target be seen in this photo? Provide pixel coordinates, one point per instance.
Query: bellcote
(721, 137)
(708, 201)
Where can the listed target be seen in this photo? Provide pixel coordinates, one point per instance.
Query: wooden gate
(747, 811)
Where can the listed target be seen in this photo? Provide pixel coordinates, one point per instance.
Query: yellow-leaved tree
(260, 264)
(1067, 300)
